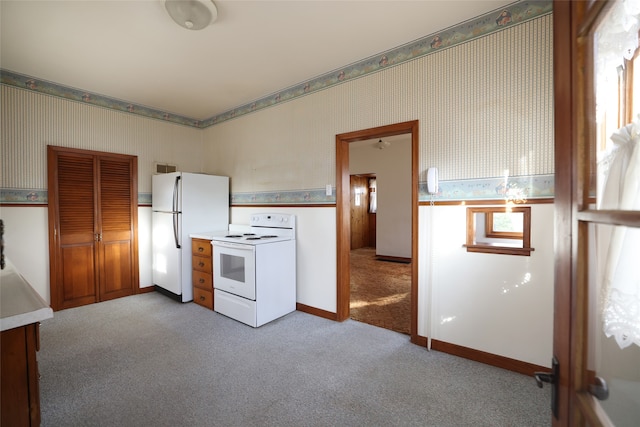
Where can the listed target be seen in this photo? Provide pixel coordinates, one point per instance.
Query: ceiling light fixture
(192, 14)
(383, 144)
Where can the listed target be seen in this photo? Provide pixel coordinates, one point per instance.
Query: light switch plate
(329, 189)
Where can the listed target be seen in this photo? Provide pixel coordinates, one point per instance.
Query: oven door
(234, 268)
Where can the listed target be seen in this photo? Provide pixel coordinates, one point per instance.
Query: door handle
(176, 186)
(552, 378)
(599, 390)
(544, 377)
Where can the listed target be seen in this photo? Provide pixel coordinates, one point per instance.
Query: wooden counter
(21, 310)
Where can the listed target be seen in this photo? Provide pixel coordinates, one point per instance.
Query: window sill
(492, 248)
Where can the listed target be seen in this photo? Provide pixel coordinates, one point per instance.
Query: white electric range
(255, 272)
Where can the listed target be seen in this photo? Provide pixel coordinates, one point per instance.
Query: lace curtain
(617, 40)
(621, 245)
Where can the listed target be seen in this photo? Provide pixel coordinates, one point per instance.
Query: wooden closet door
(92, 226)
(117, 269)
(72, 235)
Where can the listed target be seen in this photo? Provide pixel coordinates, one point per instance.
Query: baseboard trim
(146, 290)
(487, 358)
(419, 340)
(393, 259)
(316, 311)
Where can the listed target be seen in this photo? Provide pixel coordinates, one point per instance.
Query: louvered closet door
(72, 202)
(116, 231)
(92, 226)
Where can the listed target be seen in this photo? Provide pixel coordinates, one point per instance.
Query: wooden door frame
(574, 122)
(564, 202)
(343, 218)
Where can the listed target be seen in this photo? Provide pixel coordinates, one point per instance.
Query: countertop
(208, 235)
(20, 304)
(233, 228)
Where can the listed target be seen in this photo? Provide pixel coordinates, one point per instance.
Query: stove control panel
(273, 220)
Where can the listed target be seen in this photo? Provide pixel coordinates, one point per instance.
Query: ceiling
(134, 52)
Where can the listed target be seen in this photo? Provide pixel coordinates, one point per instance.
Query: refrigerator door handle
(176, 186)
(175, 229)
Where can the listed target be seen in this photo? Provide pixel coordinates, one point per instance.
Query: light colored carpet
(147, 360)
(380, 291)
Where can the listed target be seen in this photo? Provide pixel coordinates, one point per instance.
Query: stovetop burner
(265, 229)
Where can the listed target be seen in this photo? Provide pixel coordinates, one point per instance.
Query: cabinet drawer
(201, 247)
(203, 298)
(201, 263)
(202, 280)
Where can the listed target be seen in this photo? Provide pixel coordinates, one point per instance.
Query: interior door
(597, 297)
(117, 223)
(93, 247)
(72, 229)
(359, 212)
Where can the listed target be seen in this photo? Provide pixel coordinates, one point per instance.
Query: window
(499, 230)
(504, 225)
(373, 196)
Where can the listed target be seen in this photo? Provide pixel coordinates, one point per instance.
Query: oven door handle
(230, 245)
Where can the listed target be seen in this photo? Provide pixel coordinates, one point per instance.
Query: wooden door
(92, 226)
(72, 228)
(117, 245)
(359, 212)
(598, 361)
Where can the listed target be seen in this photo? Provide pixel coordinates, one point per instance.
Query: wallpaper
(482, 92)
(489, 23)
(485, 112)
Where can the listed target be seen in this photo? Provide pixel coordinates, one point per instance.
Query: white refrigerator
(183, 203)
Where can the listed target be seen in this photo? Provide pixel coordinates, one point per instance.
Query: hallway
(380, 291)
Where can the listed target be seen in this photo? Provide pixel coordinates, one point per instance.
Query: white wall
(392, 167)
(316, 252)
(26, 244)
(501, 304)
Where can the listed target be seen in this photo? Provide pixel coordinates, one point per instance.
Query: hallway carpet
(380, 291)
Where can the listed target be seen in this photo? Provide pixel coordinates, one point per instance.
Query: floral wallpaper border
(481, 26)
(519, 189)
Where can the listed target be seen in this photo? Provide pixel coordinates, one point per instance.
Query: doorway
(343, 217)
(380, 266)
